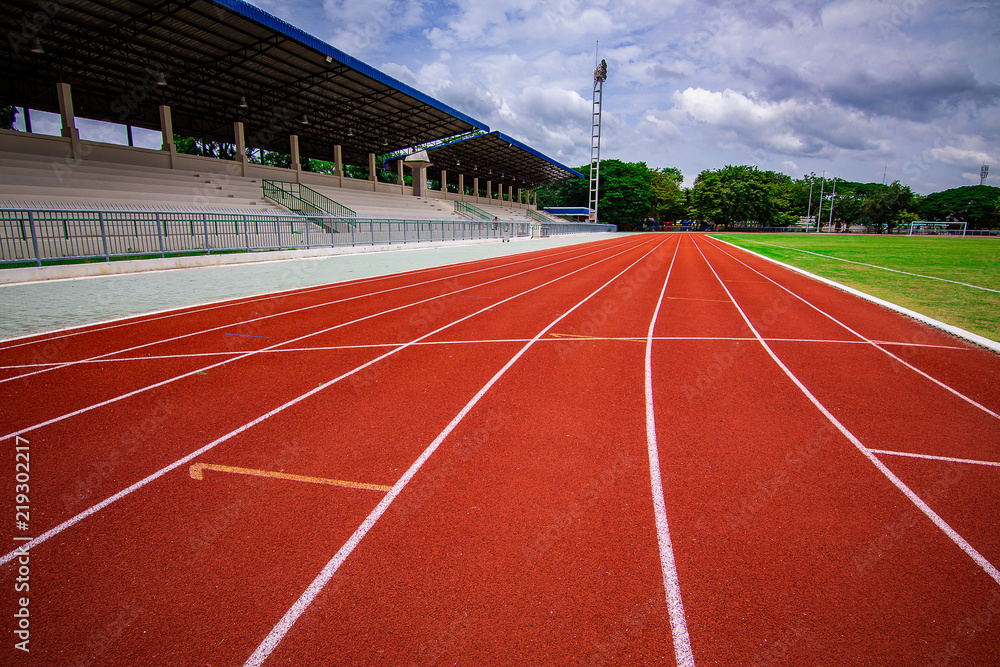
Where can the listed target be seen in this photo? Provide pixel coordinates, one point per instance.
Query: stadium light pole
(600, 76)
(984, 171)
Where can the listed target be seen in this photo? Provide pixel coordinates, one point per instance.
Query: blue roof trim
(269, 20)
(510, 140)
(567, 210)
(531, 150)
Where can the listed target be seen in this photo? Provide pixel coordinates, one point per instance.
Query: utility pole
(600, 76)
(819, 218)
(833, 199)
(809, 209)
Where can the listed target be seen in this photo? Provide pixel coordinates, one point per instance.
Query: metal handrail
(471, 211)
(302, 198)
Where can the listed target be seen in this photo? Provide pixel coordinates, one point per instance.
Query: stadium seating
(30, 181)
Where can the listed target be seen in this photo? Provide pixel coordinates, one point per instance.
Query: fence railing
(857, 230)
(471, 211)
(44, 236)
(303, 199)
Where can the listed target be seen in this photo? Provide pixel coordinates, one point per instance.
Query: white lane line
(876, 266)
(864, 338)
(486, 341)
(960, 541)
(286, 622)
(264, 317)
(958, 332)
(182, 461)
(671, 583)
(271, 347)
(935, 458)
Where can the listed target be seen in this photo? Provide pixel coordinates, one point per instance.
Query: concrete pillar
(461, 187)
(400, 175)
(489, 192)
(296, 165)
(167, 132)
(475, 188)
(338, 162)
(241, 147)
(510, 195)
(444, 182)
(520, 197)
(68, 120)
(66, 109)
(420, 182)
(372, 178)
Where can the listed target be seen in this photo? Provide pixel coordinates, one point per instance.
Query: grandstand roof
(212, 53)
(499, 158)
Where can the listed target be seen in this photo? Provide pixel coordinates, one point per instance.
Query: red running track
(655, 449)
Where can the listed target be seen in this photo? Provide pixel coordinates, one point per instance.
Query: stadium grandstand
(396, 164)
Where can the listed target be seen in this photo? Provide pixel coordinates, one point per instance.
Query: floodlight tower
(983, 173)
(600, 76)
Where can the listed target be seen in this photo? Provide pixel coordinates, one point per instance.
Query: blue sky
(854, 88)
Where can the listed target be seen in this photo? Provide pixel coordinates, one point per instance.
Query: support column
(444, 182)
(338, 165)
(296, 164)
(400, 175)
(461, 187)
(68, 120)
(475, 188)
(241, 147)
(167, 132)
(489, 192)
(372, 178)
(520, 197)
(510, 196)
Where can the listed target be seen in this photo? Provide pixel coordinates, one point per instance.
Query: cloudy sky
(857, 88)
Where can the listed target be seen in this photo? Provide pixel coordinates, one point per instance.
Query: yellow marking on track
(197, 468)
(691, 298)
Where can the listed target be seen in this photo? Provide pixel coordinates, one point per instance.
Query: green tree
(886, 208)
(671, 200)
(974, 204)
(743, 195)
(8, 116)
(626, 195)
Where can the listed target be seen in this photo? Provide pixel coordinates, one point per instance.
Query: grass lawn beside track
(970, 260)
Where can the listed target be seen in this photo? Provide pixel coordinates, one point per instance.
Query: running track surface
(653, 449)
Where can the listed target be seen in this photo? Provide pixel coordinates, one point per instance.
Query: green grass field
(971, 260)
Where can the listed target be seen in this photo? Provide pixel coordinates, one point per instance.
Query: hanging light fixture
(350, 131)
(305, 120)
(36, 46)
(243, 102)
(161, 80)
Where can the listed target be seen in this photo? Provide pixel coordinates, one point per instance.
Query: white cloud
(847, 86)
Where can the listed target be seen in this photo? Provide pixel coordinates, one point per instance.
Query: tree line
(634, 196)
